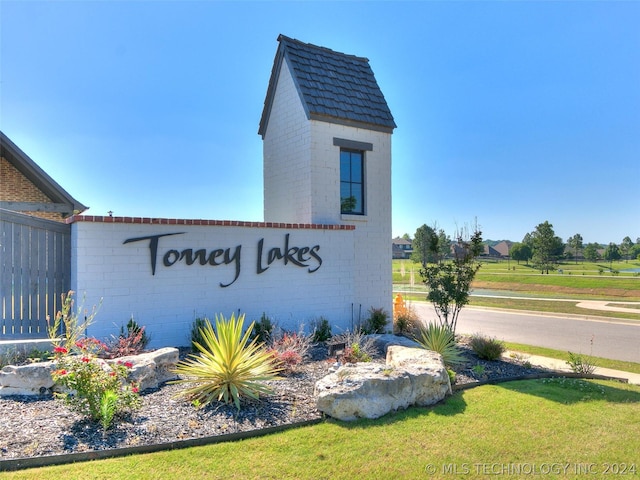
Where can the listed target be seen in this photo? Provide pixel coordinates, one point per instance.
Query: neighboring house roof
(503, 247)
(490, 251)
(333, 87)
(400, 241)
(61, 201)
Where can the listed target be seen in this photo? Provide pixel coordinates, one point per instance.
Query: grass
(562, 355)
(520, 424)
(581, 281)
(548, 306)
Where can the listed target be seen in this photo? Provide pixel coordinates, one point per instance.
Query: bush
(406, 322)
(377, 321)
(68, 325)
(262, 330)
(228, 365)
(487, 348)
(357, 347)
(581, 364)
(354, 354)
(131, 342)
(196, 330)
(321, 330)
(94, 388)
(290, 349)
(440, 339)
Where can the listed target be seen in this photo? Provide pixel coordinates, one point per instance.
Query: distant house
(401, 248)
(28, 190)
(490, 252)
(503, 248)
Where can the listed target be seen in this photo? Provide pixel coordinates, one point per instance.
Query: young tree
(625, 247)
(547, 248)
(449, 282)
(612, 252)
(520, 252)
(424, 244)
(575, 243)
(591, 252)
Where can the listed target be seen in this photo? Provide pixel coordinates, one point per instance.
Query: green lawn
(548, 306)
(621, 365)
(554, 427)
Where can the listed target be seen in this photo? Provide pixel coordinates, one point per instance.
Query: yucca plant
(441, 339)
(228, 365)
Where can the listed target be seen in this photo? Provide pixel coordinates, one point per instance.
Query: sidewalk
(561, 366)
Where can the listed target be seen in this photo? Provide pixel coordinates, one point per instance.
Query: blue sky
(513, 113)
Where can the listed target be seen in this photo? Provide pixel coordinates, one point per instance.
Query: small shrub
(406, 322)
(354, 354)
(262, 330)
(228, 366)
(290, 349)
(452, 376)
(196, 330)
(67, 327)
(358, 347)
(478, 370)
(94, 389)
(131, 342)
(321, 330)
(377, 321)
(581, 364)
(133, 328)
(440, 339)
(487, 348)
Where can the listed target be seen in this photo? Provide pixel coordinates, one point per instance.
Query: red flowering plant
(93, 387)
(289, 349)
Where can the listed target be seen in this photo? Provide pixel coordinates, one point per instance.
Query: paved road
(613, 339)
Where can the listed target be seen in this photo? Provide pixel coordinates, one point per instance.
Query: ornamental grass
(227, 367)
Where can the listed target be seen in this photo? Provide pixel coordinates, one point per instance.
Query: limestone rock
(32, 379)
(412, 376)
(153, 368)
(149, 371)
(382, 342)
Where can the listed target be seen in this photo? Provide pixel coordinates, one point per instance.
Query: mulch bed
(42, 426)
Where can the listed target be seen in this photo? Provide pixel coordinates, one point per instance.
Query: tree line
(542, 247)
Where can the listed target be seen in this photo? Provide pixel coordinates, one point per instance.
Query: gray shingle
(330, 84)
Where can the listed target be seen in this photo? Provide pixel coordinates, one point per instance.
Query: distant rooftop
(333, 87)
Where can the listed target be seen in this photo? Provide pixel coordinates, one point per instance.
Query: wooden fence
(35, 263)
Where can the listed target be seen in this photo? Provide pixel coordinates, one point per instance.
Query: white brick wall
(287, 156)
(167, 303)
(302, 184)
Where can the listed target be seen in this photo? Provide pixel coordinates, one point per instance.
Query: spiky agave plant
(441, 339)
(228, 366)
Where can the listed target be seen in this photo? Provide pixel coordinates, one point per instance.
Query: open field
(560, 428)
(578, 281)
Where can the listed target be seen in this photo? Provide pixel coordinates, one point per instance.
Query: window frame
(360, 182)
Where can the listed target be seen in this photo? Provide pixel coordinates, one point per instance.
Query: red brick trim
(208, 223)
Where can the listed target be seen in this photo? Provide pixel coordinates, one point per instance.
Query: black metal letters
(304, 257)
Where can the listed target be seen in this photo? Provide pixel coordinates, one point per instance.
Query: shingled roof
(333, 87)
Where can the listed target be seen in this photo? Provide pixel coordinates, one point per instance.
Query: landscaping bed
(41, 426)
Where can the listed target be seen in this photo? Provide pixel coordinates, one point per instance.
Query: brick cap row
(208, 223)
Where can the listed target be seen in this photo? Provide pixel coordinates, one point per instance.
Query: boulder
(383, 341)
(149, 370)
(411, 376)
(32, 379)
